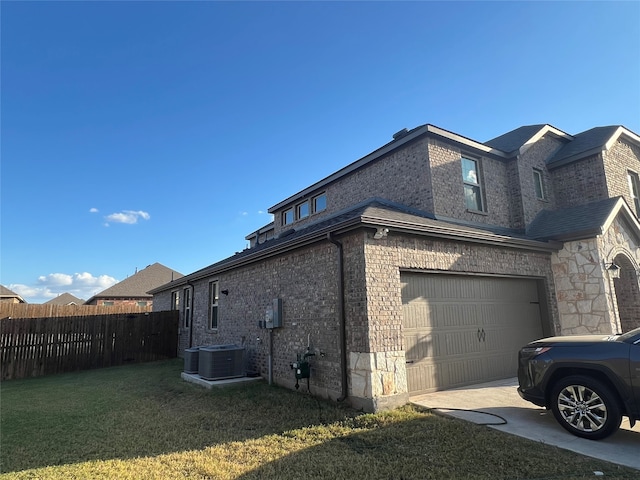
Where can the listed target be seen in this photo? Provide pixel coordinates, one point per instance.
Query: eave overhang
(432, 229)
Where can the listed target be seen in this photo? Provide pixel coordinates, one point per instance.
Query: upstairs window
(287, 217)
(320, 203)
(634, 189)
(538, 185)
(472, 187)
(303, 210)
(213, 305)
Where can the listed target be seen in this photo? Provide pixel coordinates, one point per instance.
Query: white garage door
(459, 330)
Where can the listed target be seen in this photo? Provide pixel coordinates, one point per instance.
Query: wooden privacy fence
(41, 346)
(36, 310)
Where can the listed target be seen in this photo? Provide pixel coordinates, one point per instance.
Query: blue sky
(143, 132)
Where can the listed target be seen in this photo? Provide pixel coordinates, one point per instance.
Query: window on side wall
(634, 189)
(319, 203)
(287, 217)
(142, 304)
(538, 185)
(175, 300)
(213, 305)
(472, 186)
(187, 307)
(303, 210)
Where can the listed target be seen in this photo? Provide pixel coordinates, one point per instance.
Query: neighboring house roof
(65, 299)
(6, 293)
(138, 285)
(582, 221)
(375, 213)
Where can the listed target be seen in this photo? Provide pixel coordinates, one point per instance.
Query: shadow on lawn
(141, 411)
(429, 448)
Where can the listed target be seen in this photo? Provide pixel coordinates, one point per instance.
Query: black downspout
(341, 312)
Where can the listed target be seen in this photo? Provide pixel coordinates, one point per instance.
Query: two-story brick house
(429, 262)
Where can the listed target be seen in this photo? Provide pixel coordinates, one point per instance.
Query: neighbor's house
(65, 299)
(134, 290)
(428, 263)
(8, 296)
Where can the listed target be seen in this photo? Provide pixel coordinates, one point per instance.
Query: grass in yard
(144, 422)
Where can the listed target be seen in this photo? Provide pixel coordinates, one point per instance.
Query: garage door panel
(460, 330)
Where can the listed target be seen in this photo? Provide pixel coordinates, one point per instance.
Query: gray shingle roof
(137, 286)
(513, 140)
(583, 142)
(65, 299)
(373, 212)
(582, 221)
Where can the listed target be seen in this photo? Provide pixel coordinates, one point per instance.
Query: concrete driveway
(504, 410)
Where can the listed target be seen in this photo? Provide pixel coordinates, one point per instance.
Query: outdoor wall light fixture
(224, 292)
(613, 270)
(381, 233)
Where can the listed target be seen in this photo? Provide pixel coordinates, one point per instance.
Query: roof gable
(6, 293)
(582, 221)
(518, 140)
(138, 285)
(65, 299)
(591, 142)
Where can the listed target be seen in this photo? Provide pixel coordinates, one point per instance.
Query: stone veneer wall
(586, 295)
(615, 243)
(583, 293)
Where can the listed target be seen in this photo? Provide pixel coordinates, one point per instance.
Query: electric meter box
(273, 317)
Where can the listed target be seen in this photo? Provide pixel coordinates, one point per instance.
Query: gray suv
(589, 382)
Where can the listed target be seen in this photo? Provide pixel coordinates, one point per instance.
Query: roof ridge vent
(400, 134)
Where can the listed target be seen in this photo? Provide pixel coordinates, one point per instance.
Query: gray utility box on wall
(191, 360)
(216, 362)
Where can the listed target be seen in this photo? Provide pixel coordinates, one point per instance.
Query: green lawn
(144, 422)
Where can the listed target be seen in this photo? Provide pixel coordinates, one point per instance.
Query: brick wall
(580, 182)
(402, 176)
(618, 160)
(535, 158)
(448, 188)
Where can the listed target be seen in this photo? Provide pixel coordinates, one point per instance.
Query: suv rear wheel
(585, 407)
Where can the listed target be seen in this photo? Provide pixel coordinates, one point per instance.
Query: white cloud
(128, 217)
(82, 285)
(55, 279)
(93, 210)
